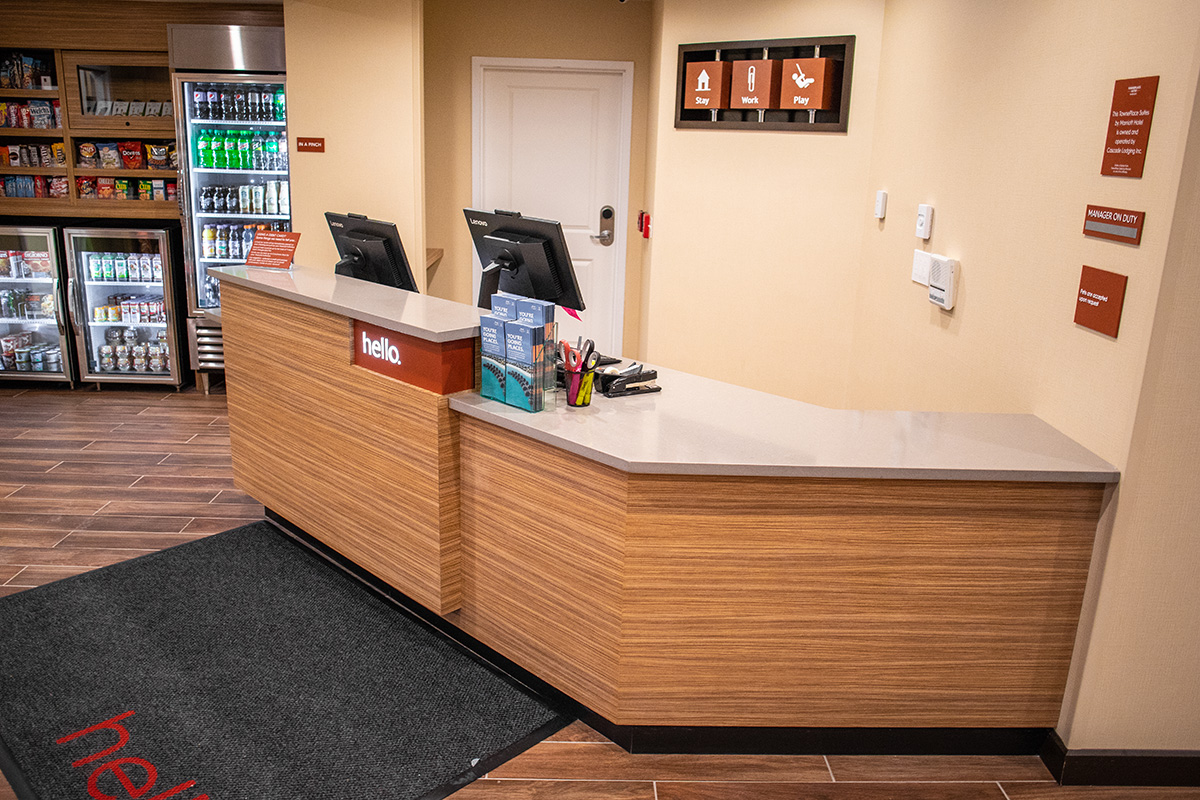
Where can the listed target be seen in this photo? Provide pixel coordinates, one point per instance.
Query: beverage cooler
(235, 173)
(121, 301)
(34, 341)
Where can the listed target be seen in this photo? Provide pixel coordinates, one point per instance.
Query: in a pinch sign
(442, 367)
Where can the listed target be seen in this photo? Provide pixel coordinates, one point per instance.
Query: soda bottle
(253, 104)
(283, 152)
(202, 144)
(216, 151)
(229, 139)
(199, 101)
(213, 97)
(257, 156)
(206, 200)
(243, 147)
(218, 200)
(280, 113)
(272, 148)
(268, 105)
(247, 239)
(239, 102)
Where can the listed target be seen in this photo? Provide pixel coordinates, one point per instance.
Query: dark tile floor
(91, 478)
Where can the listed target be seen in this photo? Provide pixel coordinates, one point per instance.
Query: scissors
(576, 359)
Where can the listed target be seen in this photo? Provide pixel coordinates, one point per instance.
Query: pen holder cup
(579, 385)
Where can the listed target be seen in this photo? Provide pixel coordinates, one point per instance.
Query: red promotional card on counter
(1129, 127)
(273, 249)
(1101, 297)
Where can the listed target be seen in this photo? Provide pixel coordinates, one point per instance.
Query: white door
(551, 140)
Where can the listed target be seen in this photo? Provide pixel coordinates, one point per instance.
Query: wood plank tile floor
(90, 478)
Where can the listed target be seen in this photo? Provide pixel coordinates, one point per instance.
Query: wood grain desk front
(706, 556)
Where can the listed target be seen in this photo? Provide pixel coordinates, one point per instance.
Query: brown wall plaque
(1129, 127)
(706, 84)
(1117, 224)
(756, 84)
(309, 144)
(444, 367)
(807, 83)
(1101, 297)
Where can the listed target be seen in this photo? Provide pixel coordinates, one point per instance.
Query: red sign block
(1117, 224)
(310, 144)
(441, 367)
(1101, 298)
(1129, 127)
(273, 249)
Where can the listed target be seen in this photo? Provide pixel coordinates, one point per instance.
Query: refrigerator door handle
(58, 318)
(71, 304)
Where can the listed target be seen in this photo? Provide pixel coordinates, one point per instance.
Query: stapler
(640, 382)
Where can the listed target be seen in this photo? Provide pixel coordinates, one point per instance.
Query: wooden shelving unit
(79, 126)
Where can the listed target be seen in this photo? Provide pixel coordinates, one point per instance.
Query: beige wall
(762, 231)
(1139, 670)
(456, 30)
(354, 78)
(996, 114)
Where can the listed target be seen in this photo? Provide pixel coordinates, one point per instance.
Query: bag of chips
(86, 186)
(156, 156)
(131, 154)
(110, 155)
(87, 155)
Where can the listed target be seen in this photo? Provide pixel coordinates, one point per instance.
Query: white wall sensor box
(943, 278)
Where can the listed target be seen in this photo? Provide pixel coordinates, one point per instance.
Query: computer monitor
(371, 250)
(523, 255)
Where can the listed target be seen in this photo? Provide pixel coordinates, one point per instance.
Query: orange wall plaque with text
(1129, 127)
(1101, 297)
(706, 84)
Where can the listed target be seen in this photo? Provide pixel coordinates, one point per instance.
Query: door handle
(58, 312)
(71, 304)
(607, 217)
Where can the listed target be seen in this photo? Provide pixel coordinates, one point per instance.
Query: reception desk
(706, 556)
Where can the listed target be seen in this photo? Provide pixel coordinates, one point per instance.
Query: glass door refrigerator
(234, 173)
(121, 299)
(34, 341)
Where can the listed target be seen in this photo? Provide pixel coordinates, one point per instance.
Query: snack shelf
(26, 280)
(34, 205)
(123, 283)
(111, 126)
(39, 133)
(168, 174)
(271, 123)
(31, 93)
(127, 324)
(214, 171)
(33, 171)
(225, 215)
(22, 321)
(154, 135)
(126, 209)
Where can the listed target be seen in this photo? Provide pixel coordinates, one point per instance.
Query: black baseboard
(1120, 767)
(712, 739)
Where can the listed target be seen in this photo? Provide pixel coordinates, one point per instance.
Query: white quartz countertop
(422, 316)
(698, 426)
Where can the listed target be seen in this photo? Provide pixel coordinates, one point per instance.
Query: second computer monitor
(523, 255)
(371, 250)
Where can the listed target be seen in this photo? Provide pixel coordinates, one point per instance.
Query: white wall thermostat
(943, 277)
(924, 221)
